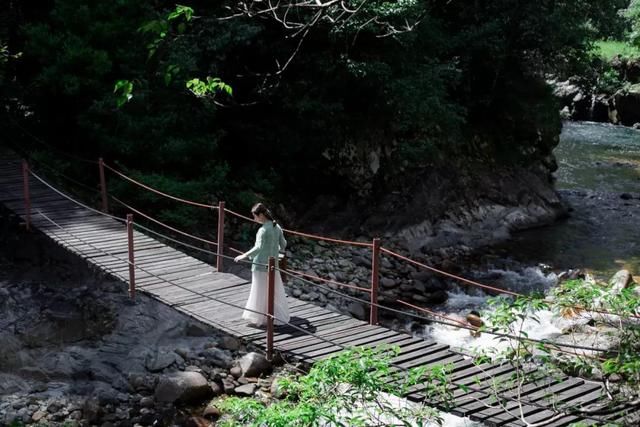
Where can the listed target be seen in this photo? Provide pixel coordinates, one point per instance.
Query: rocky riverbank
(76, 352)
(351, 266)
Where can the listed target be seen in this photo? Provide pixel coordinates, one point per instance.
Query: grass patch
(610, 48)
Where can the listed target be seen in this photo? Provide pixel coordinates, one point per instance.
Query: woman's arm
(282, 242)
(256, 247)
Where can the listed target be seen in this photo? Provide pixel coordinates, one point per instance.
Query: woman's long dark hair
(260, 208)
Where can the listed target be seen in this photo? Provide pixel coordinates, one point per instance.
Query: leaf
(123, 90)
(179, 11)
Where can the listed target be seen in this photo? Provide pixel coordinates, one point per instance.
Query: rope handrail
(497, 334)
(175, 230)
(493, 288)
(299, 274)
(239, 215)
(209, 297)
(296, 273)
(433, 313)
(146, 187)
(312, 283)
(310, 236)
(363, 244)
(66, 196)
(444, 273)
(68, 178)
(328, 239)
(187, 245)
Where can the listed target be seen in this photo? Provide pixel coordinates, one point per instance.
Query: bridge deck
(102, 241)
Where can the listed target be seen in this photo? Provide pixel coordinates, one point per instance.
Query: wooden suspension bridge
(485, 392)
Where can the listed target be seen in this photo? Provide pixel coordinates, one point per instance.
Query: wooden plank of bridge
(196, 289)
(563, 401)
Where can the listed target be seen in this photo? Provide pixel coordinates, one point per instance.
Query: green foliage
(181, 11)
(123, 89)
(344, 390)
(589, 300)
(610, 49)
(211, 86)
(417, 82)
(632, 13)
(607, 18)
(609, 81)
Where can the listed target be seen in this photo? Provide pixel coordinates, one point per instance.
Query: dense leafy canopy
(292, 101)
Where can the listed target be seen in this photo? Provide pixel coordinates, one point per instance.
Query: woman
(269, 241)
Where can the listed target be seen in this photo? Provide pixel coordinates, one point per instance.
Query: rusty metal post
(132, 270)
(271, 288)
(103, 186)
(375, 278)
(220, 235)
(27, 198)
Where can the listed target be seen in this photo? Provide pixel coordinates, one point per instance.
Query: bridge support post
(27, 198)
(375, 278)
(132, 270)
(219, 265)
(271, 288)
(103, 186)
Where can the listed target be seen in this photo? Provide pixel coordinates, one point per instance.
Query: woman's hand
(238, 258)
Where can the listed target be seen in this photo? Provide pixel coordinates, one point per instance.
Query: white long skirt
(257, 301)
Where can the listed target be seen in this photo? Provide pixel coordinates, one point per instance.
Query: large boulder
(357, 310)
(627, 103)
(156, 361)
(184, 387)
(254, 365)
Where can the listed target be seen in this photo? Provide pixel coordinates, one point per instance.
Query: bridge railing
(132, 267)
(376, 248)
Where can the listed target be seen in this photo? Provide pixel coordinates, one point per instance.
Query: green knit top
(269, 242)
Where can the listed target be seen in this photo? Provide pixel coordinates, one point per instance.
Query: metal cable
(68, 178)
(344, 285)
(453, 276)
(393, 310)
(143, 269)
(153, 190)
(311, 236)
(433, 313)
(175, 230)
(170, 282)
(493, 288)
(74, 200)
(337, 292)
(164, 236)
(333, 290)
(383, 249)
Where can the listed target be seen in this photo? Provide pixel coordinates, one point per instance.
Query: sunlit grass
(608, 49)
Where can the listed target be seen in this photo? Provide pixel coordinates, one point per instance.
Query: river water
(599, 178)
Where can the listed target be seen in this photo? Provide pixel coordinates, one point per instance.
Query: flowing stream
(599, 178)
